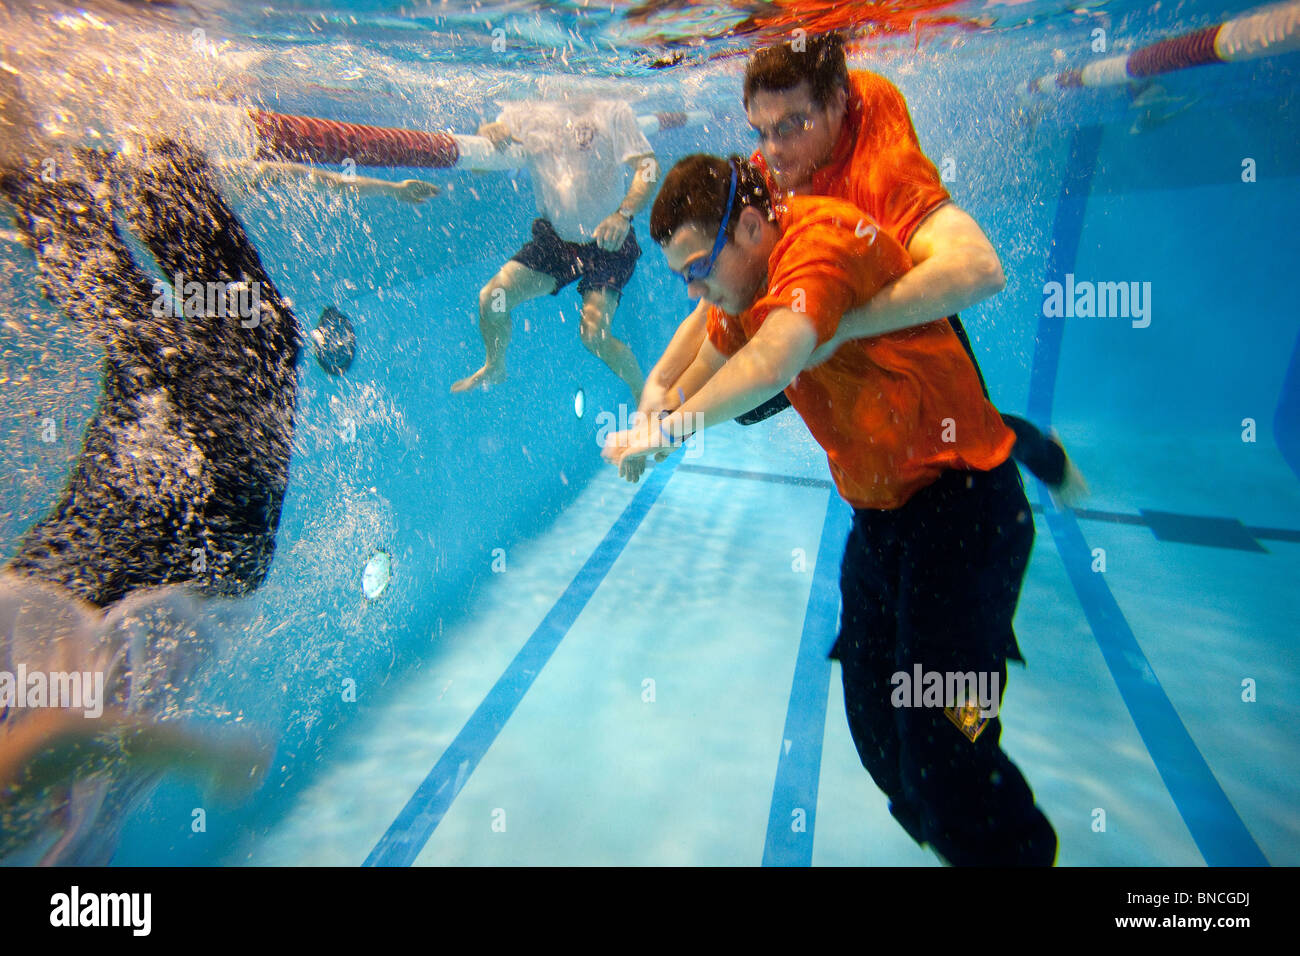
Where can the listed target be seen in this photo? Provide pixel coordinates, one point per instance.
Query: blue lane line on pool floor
(1218, 832)
(1067, 230)
(798, 769)
(1286, 419)
(408, 834)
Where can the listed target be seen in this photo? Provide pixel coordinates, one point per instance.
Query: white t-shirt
(576, 155)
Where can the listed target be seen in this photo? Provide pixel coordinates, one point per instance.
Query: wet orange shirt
(893, 411)
(877, 163)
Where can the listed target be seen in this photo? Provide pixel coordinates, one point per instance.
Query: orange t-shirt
(877, 163)
(894, 411)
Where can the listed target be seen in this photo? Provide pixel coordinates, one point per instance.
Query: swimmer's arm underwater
(663, 381)
(643, 184)
(954, 267)
(779, 350)
(782, 347)
(497, 132)
(708, 362)
(611, 232)
(414, 191)
(408, 190)
(679, 374)
(47, 748)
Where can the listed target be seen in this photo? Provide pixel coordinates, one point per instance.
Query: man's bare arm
(643, 183)
(410, 190)
(664, 379)
(612, 231)
(728, 387)
(779, 351)
(954, 267)
(698, 374)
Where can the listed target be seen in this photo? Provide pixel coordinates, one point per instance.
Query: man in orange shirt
(826, 131)
(942, 531)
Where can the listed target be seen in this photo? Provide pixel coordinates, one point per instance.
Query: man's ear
(839, 102)
(750, 225)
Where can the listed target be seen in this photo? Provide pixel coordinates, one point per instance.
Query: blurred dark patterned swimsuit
(184, 465)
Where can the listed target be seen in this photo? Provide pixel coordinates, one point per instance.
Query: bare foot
(487, 375)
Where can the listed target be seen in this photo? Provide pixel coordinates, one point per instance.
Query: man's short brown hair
(820, 61)
(695, 192)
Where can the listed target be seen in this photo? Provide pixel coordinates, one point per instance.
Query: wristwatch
(625, 214)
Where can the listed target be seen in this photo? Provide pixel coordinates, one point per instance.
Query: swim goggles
(701, 269)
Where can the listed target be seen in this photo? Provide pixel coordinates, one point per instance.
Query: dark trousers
(1044, 458)
(184, 465)
(935, 583)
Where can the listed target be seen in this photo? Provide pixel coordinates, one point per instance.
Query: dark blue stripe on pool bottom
(798, 769)
(1215, 827)
(1219, 833)
(1286, 420)
(411, 830)
(775, 478)
(1066, 232)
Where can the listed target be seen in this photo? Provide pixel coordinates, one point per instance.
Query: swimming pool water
(710, 577)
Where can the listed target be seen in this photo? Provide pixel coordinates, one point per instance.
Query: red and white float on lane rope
(1271, 31)
(318, 140)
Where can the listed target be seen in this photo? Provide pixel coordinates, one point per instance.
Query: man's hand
(498, 133)
(415, 191)
(632, 469)
(628, 449)
(657, 401)
(612, 232)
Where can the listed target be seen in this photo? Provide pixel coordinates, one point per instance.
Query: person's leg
(514, 284)
(180, 478)
(1042, 454)
(246, 438)
(183, 467)
(965, 550)
(603, 275)
(108, 524)
(598, 307)
(867, 651)
(1043, 457)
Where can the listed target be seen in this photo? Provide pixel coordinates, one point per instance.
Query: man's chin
(722, 305)
(788, 182)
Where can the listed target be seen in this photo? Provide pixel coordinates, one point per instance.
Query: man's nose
(698, 289)
(779, 156)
